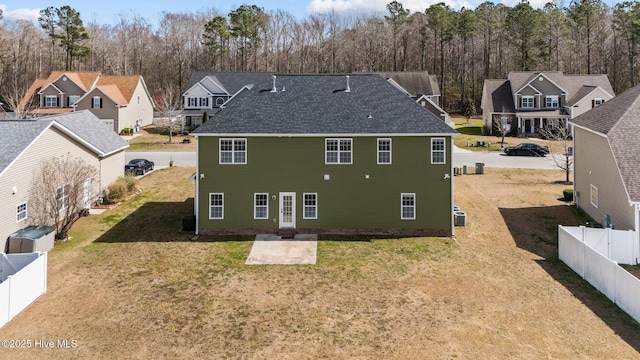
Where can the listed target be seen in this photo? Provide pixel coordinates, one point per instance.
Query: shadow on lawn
(153, 221)
(535, 229)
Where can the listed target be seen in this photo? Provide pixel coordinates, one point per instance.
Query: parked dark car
(138, 166)
(527, 149)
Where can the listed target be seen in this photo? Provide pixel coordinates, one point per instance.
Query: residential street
(461, 157)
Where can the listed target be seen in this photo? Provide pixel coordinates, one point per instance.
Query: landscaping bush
(120, 188)
(185, 132)
(175, 132)
(567, 194)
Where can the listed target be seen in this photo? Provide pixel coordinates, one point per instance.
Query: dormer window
(552, 102)
(527, 102)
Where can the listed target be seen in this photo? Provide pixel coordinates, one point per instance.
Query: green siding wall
(347, 201)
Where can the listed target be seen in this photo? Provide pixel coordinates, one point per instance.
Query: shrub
(567, 194)
(116, 191)
(175, 132)
(120, 188)
(185, 132)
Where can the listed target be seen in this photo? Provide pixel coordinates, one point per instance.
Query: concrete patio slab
(273, 250)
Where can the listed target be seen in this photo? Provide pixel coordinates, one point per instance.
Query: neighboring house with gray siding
(24, 144)
(531, 101)
(208, 91)
(119, 101)
(607, 161)
(324, 154)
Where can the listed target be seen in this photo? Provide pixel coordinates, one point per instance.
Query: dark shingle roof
(415, 82)
(232, 81)
(619, 120)
(83, 124)
(500, 97)
(319, 104)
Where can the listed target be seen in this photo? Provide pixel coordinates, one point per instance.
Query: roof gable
(416, 83)
(539, 77)
(213, 86)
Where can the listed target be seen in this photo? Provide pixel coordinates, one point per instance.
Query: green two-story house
(328, 154)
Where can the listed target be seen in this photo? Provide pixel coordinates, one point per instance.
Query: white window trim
(256, 206)
(339, 140)
(25, 212)
(305, 206)
(93, 102)
(443, 151)
(553, 99)
(533, 102)
(402, 206)
(594, 191)
(203, 102)
(233, 151)
(47, 99)
(390, 151)
(219, 101)
(71, 97)
(192, 102)
(597, 102)
(63, 202)
(221, 206)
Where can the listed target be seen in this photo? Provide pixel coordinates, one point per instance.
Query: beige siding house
(24, 144)
(119, 101)
(607, 159)
(528, 102)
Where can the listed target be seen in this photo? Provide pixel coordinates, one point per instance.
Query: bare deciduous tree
(561, 135)
(62, 188)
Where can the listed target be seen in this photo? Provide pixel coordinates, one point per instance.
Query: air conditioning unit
(459, 218)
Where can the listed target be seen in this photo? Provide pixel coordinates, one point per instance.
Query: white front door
(287, 210)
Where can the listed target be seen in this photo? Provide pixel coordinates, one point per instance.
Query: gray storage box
(32, 239)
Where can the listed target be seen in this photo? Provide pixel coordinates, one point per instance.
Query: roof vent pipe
(273, 89)
(347, 89)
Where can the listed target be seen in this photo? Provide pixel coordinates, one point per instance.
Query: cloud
(20, 14)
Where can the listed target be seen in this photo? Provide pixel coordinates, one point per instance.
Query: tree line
(462, 47)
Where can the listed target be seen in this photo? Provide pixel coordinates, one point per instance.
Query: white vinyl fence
(23, 278)
(592, 265)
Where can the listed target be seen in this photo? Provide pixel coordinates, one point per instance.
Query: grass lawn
(151, 139)
(471, 133)
(130, 285)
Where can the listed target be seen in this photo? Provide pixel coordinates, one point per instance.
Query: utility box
(479, 167)
(31, 239)
(459, 218)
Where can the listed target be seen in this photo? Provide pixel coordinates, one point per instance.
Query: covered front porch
(531, 124)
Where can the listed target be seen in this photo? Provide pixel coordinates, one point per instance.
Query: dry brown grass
(151, 139)
(497, 291)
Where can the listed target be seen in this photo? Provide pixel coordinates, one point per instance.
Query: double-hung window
(527, 102)
(192, 102)
(62, 197)
(97, 102)
(338, 151)
(552, 101)
(384, 151)
(50, 101)
(408, 206)
(73, 99)
(216, 206)
(204, 102)
(594, 196)
(438, 152)
(260, 206)
(233, 151)
(310, 206)
(21, 212)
